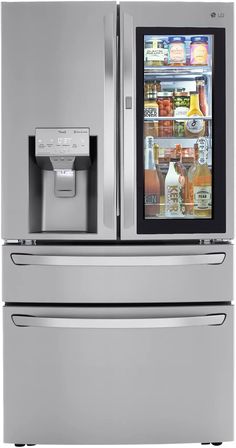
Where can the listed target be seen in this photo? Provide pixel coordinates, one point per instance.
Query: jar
(181, 109)
(199, 50)
(165, 105)
(150, 109)
(154, 52)
(151, 88)
(177, 51)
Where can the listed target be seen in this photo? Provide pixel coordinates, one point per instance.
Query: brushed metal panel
(58, 70)
(114, 386)
(118, 274)
(182, 14)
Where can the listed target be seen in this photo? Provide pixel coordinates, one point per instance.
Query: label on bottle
(202, 197)
(151, 199)
(195, 126)
(173, 199)
(154, 54)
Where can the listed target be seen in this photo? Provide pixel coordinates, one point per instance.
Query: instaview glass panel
(178, 126)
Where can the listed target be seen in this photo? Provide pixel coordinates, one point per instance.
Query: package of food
(165, 105)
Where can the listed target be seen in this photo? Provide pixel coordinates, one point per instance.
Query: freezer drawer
(101, 375)
(127, 274)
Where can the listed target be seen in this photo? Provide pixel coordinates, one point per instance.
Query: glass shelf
(166, 70)
(180, 138)
(152, 119)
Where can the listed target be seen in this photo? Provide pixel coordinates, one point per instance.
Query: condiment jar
(199, 50)
(177, 51)
(154, 52)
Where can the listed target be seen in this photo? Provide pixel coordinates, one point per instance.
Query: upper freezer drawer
(177, 146)
(59, 115)
(127, 274)
(114, 375)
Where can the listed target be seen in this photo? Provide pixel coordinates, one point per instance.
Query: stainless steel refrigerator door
(116, 375)
(118, 274)
(163, 14)
(58, 70)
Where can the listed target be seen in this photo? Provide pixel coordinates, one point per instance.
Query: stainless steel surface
(164, 260)
(110, 98)
(114, 386)
(117, 274)
(169, 14)
(58, 61)
(168, 322)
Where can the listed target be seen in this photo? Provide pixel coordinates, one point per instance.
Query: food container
(151, 88)
(151, 129)
(150, 109)
(177, 51)
(165, 104)
(181, 109)
(154, 52)
(199, 50)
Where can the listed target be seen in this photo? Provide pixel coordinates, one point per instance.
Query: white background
(225, 445)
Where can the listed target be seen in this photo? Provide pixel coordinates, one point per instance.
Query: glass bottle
(161, 179)
(183, 178)
(194, 128)
(151, 182)
(202, 186)
(201, 90)
(173, 200)
(191, 172)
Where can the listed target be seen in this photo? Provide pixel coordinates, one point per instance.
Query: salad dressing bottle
(194, 128)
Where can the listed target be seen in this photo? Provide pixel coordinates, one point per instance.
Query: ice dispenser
(62, 180)
(63, 151)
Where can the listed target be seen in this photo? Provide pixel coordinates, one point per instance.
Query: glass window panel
(178, 126)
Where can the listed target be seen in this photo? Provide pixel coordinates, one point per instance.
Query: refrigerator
(117, 222)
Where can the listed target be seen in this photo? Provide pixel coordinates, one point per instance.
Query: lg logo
(220, 15)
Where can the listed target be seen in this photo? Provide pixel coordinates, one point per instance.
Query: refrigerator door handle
(20, 320)
(109, 168)
(128, 150)
(20, 259)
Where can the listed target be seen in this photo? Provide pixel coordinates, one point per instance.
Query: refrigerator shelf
(179, 138)
(207, 118)
(178, 71)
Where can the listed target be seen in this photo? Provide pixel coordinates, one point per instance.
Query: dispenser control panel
(62, 142)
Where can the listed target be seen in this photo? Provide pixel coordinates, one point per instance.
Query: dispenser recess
(63, 151)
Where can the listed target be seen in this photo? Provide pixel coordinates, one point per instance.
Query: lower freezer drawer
(113, 375)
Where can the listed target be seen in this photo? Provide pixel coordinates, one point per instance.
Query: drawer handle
(77, 260)
(20, 320)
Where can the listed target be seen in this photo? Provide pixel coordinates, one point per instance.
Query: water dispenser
(62, 180)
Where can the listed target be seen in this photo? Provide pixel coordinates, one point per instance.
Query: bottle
(173, 199)
(194, 128)
(161, 179)
(191, 172)
(181, 170)
(202, 185)
(201, 90)
(151, 182)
